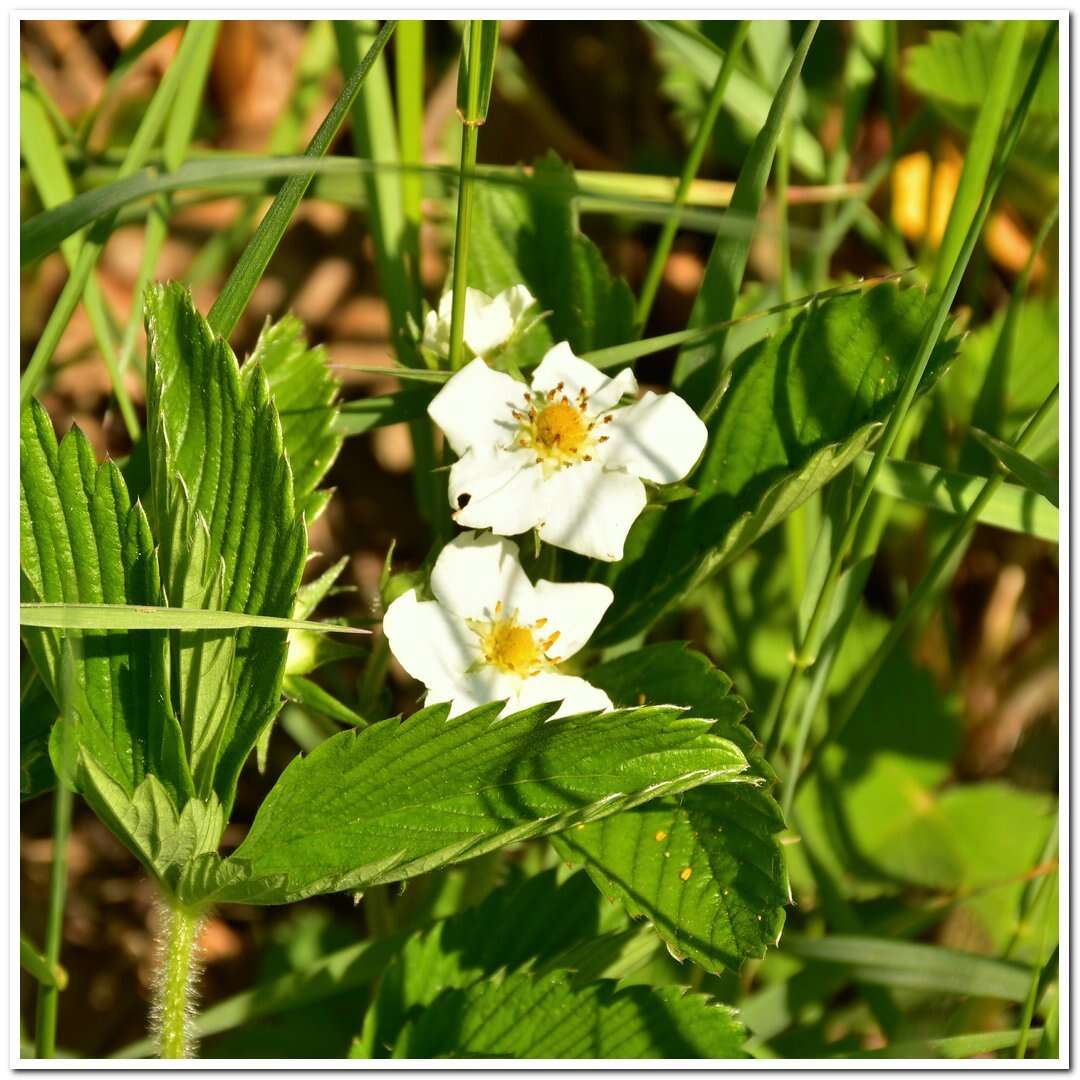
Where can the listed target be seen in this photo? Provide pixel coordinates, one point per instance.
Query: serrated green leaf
(37, 714)
(305, 393)
(800, 407)
(311, 595)
(528, 232)
(217, 457)
(81, 540)
(527, 922)
(706, 868)
(398, 799)
(526, 1016)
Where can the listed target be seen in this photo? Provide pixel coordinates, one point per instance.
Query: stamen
(540, 623)
(608, 418)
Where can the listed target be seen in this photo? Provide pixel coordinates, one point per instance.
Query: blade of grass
(476, 71)
(145, 136)
(1018, 509)
(179, 131)
(49, 172)
(915, 966)
(727, 261)
(249, 269)
(805, 653)
(1032, 475)
(693, 162)
(948, 1046)
(943, 566)
(144, 617)
(979, 154)
(1042, 974)
(32, 962)
(409, 75)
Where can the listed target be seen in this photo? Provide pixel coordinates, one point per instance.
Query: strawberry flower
(561, 456)
(490, 321)
(490, 634)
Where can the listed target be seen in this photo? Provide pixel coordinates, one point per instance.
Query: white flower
(490, 321)
(490, 634)
(561, 457)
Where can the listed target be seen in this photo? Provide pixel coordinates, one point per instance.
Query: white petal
(577, 695)
(479, 687)
(560, 365)
(475, 571)
(436, 332)
(517, 300)
(488, 321)
(658, 438)
(431, 643)
(590, 510)
(474, 407)
(499, 489)
(573, 609)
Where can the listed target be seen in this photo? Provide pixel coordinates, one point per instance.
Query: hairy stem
(174, 1008)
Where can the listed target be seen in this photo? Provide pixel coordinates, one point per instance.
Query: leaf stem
(690, 169)
(173, 1006)
(48, 996)
(806, 652)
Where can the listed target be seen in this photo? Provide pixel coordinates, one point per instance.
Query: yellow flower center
(561, 425)
(559, 431)
(511, 648)
(515, 649)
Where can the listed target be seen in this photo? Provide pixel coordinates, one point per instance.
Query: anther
(608, 418)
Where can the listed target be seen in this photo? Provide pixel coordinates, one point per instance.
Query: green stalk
(690, 168)
(473, 113)
(783, 239)
(173, 1006)
(409, 71)
(249, 269)
(981, 146)
(48, 996)
(806, 652)
(145, 136)
(943, 566)
(178, 135)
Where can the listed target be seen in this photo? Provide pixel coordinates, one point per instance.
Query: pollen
(512, 648)
(686, 872)
(561, 425)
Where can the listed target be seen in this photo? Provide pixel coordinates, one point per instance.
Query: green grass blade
(976, 1044)
(979, 154)
(914, 966)
(806, 652)
(727, 261)
(365, 414)
(479, 44)
(241, 284)
(1019, 509)
(145, 617)
(409, 75)
(1032, 475)
(145, 136)
(690, 168)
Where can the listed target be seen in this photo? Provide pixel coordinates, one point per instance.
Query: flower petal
(590, 510)
(576, 694)
(430, 642)
(560, 365)
(658, 438)
(474, 407)
(479, 687)
(572, 609)
(475, 571)
(499, 489)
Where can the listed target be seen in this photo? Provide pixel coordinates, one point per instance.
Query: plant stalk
(173, 1007)
(49, 996)
(690, 168)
